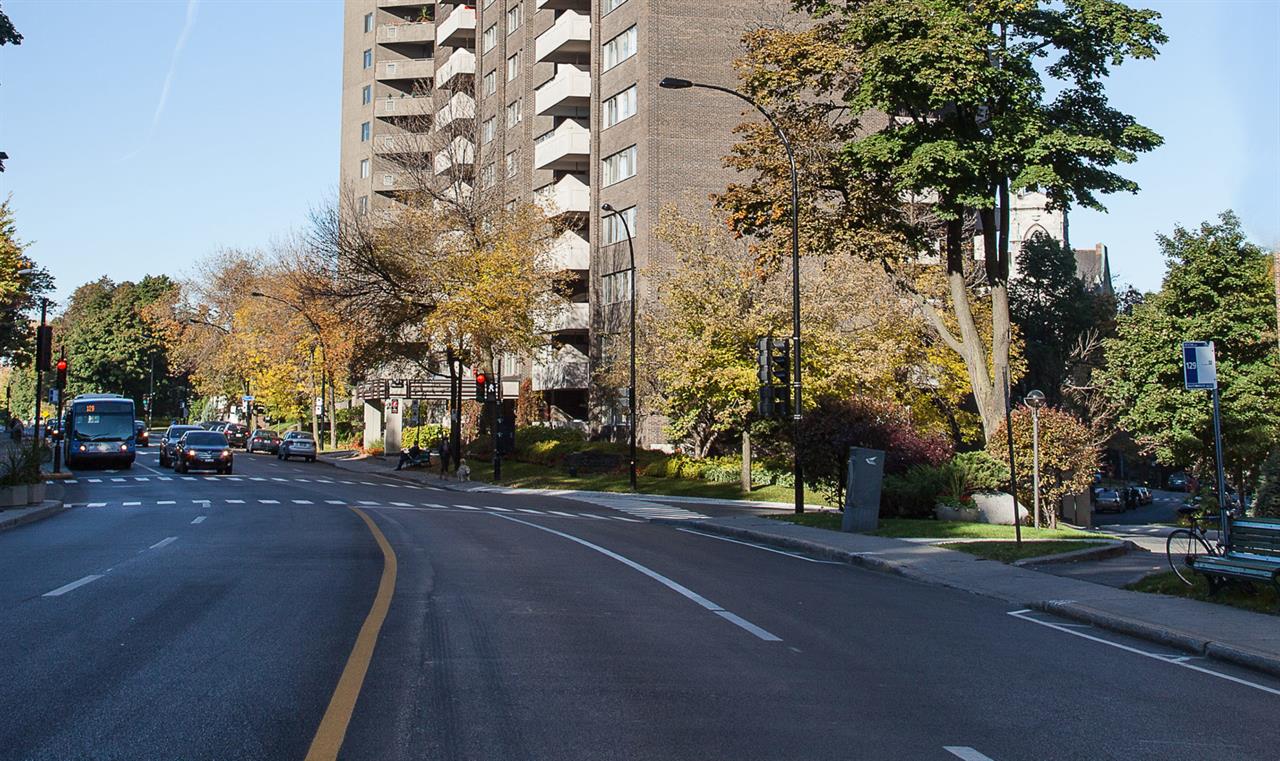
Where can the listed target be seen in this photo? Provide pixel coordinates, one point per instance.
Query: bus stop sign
(1199, 368)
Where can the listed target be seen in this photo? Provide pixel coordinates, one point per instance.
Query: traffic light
(62, 373)
(773, 370)
(44, 347)
(482, 387)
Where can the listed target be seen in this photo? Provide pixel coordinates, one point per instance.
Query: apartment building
(564, 99)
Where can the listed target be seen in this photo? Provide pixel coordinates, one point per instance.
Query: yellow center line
(333, 726)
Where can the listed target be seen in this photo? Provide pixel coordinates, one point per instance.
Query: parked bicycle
(1183, 544)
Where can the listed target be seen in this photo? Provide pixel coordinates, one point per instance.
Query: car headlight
(226, 453)
(83, 448)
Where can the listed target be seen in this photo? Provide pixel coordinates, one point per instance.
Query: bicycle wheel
(1181, 546)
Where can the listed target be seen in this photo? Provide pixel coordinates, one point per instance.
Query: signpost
(1200, 373)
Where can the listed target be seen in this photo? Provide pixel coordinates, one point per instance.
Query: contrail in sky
(168, 77)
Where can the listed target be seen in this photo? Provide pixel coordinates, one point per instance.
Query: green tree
(972, 124)
(1218, 288)
(22, 285)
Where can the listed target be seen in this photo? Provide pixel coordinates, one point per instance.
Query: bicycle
(1183, 544)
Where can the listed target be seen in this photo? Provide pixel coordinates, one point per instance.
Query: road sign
(374, 389)
(1199, 368)
(53, 396)
(434, 388)
(246, 398)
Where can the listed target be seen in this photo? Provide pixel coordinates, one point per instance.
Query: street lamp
(674, 83)
(1035, 399)
(631, 392)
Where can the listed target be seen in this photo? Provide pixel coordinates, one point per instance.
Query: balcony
(415, 33)
(404, 107)
(569, 196)
(406, 143)
(393, 183)
(567, 41)
(460, 107)
(556, 369)
(568, 93)
(566, 5)
(462, 62)
(458, 29)
(459, 153)
(565, 148)
(406, 69)
(570, 252)
(414, 4)
(573, 317)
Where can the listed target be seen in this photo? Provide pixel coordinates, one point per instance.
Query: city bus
(98, 428)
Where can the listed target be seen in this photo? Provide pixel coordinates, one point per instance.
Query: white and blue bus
(98, 428)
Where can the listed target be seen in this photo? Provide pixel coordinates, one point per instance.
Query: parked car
(1107, 500)
(297, 444)
(264, 440)
(1130, 496)
(203, 449)
(1179, 482)
(237, 435)
(140, 433)
(207, 424)
(169, 442)
(1144, 495)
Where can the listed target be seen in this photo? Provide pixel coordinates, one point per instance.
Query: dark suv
(169, 442)
(203, 449)
(237, 435)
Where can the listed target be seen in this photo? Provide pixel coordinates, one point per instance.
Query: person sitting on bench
(412, 456)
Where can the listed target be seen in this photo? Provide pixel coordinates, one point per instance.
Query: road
(261, 616)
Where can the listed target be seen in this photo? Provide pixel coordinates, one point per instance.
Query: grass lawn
(1007, 552)
(530, 476)
(1260, 598)
(907, 528)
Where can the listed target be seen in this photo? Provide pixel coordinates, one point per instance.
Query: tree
(8, 36)
(971, 125)
(1068, 459)
(1218, 288)
(20, 294)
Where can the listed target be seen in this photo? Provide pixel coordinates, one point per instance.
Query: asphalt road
(253, 617)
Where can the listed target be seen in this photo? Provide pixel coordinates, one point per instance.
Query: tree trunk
(972, 348)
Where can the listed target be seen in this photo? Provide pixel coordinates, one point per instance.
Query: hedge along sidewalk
(1201, 628)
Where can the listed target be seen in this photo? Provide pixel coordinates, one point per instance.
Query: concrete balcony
(406, 143)
(583, 6)
(402, 108)
(574, 317)
(461, 63)
(567, 41)
(556, 369)
(568, 93)
(570, 252)
(458, 29)
(406, 69)
(459, 154)
(392, 183)
(460, 107)
(414, 4)
(568, 197)
(415, 33)
(565, 148)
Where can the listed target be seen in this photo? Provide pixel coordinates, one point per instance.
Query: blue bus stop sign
(1199, 368)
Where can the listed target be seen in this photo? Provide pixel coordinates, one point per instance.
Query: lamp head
(1035, 399)
(607, 207)
(258, 294)
(675, 83)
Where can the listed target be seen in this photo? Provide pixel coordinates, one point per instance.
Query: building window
(514, 113)
(488, 129)
(620, 166)
(368, 59)
(620, 106)
(362, 204)
(491, 82)
(364, 168)
(486, 176)
(368, 23)
(616, 287)
(366, 97)
(514, 16)
(364, 132)
(611, 229)
(388, 180)
(620, 48)
(513, 67)
(513, 164)
(609, 5)
(490, 38)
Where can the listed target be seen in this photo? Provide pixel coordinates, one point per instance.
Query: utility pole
(44, 348)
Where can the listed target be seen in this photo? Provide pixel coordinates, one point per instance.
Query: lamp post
(631, 390)
(1035, 400)
(673, 83)
(324, 354)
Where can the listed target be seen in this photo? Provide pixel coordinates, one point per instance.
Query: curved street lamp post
(674, 83)
(631, 391)
(1035, 399)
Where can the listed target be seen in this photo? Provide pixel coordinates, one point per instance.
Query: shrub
(425, 436)
(912, 494)
(1267, 503)
(1068, 457)
(374, 448)
(981, 472)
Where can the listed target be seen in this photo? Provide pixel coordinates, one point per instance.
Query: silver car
(297, 444)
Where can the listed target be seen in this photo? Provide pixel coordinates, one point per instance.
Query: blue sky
(113, 173)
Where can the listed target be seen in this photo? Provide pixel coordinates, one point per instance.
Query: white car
(297, 444)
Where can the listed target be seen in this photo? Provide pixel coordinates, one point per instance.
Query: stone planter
(953, 513)
(997, 507)
(13, 496)
(35, 493)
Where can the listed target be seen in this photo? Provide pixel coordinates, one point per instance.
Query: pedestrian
(444, 456)
(412, 456)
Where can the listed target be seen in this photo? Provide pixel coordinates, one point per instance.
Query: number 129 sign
(1199, 368)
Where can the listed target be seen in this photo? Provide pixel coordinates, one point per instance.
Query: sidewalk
(13, 517)
(1200, 628)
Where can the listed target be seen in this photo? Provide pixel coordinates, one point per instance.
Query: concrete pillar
(394, 416)
(372, 421)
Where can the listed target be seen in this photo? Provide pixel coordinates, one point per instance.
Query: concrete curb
(47, 509)
(1158, 633)
(1111, 550)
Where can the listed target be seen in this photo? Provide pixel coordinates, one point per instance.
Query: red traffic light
(480, 379)
(62, 365)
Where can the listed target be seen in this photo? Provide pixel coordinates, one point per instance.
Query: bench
(422, 460)
(1252, 554)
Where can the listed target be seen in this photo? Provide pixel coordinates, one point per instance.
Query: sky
(146, 135)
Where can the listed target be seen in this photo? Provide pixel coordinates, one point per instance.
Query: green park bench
(1252, 554)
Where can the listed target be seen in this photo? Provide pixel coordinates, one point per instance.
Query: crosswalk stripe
(334, 502)
(303, 502)
(166, 502)
(99, 480)
(131, 504)
(564, 515)
(269, 501)
(96, 504)
(235, 502)
(527, 510)
(367, 502)
(117, 480)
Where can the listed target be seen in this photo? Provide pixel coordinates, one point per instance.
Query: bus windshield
(102, 422)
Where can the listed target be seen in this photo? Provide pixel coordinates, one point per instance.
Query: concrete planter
(35, 493)
(997, 507)
(14, 496)
(953, 513)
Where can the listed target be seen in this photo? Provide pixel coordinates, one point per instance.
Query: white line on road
(334, 502)
(309, 502)
(499, 509)
(467, 507)
(172, 502)
(188, 478)
(166, 478)
(256, 478)
(1022, 614)
(760, 547)
(285, 479)
(527, 510)
(117, 480)
(367, 502)
(965, 752)
(406, 504)
(235, 502)
(199, 519)
(663, 580)
(71, 481)
(628, 520)
(96, 504)
(367, 483)
(131, 504)
(268, 501)
(99, 480)
(168, 540)
(571, 515)
(144, 478)
(62, 590)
